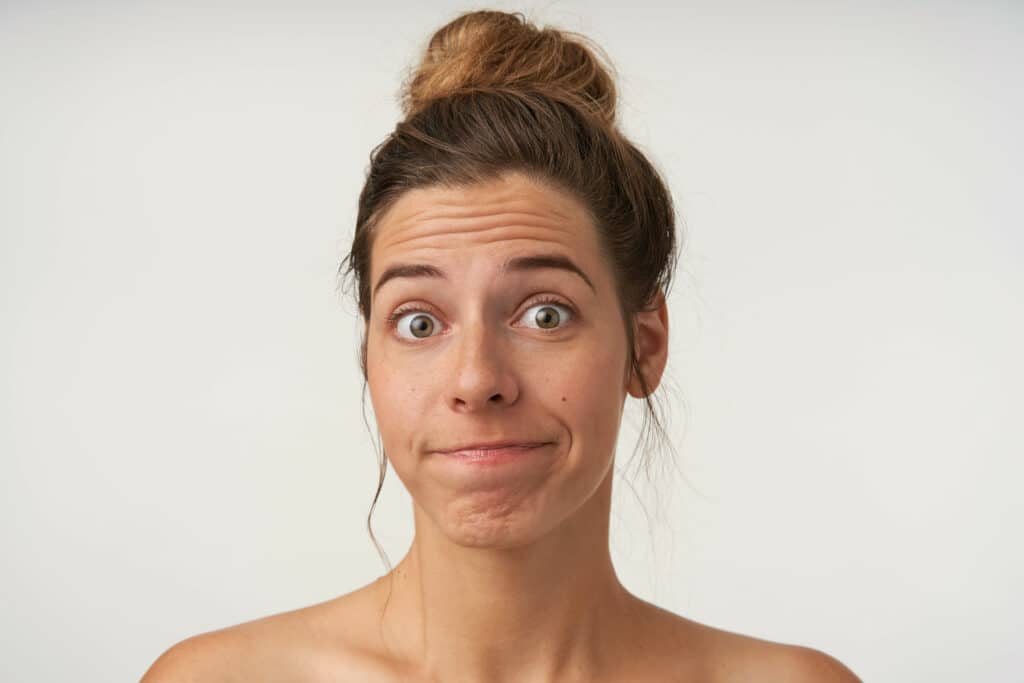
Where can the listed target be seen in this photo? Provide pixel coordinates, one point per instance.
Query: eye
(549, 314)
(421, 325)
(413, 322)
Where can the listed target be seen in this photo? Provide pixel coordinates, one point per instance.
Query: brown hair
(493, 94)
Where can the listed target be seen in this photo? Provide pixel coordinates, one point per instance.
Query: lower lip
(492, 456)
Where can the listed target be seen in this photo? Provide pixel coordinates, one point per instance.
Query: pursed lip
(494, 445)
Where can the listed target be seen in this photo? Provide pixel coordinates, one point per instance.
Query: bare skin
(509, 576)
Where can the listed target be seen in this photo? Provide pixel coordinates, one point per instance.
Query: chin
(480, 523)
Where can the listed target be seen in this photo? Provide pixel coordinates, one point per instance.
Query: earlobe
(651, 339)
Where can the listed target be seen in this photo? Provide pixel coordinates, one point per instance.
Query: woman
(512, 253)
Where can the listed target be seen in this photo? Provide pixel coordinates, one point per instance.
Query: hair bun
(490, 49)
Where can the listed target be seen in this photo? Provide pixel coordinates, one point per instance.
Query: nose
(482, 374)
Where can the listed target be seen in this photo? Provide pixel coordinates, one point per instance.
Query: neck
(534, 612)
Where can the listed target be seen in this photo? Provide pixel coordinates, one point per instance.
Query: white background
(182, 440)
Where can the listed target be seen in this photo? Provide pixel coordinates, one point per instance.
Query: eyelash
(392, 320)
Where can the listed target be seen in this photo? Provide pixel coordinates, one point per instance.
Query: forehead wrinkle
(513, 191)
(470, 210)
(485, 203)
(486, 234)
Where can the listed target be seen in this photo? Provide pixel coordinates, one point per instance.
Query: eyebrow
(515, 264)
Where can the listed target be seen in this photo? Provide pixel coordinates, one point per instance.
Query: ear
(651, 339)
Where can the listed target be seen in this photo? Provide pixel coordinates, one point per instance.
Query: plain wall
(182, 435)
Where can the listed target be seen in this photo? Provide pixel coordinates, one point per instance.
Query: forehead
(511, 214)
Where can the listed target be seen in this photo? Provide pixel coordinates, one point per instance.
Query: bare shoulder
(204, 657)
(799, 664)
(321, 642)
(737, 658)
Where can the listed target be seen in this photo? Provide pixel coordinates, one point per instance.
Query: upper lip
(490, 445)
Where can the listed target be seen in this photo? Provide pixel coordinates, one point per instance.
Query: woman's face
(477, 353)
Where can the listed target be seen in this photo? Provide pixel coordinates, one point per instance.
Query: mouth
(491, 446)
(492, 453)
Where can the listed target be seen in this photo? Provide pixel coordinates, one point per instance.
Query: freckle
(563, 399)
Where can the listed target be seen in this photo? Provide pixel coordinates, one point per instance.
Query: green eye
(421, 326)
(548, 316)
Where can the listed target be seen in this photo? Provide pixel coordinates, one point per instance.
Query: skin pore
(509, 576)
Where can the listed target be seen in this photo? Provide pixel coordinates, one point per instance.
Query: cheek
(590, 397)
(397, 395)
